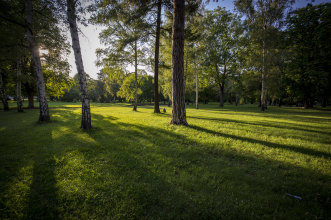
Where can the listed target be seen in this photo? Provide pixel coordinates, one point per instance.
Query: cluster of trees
(265, 53)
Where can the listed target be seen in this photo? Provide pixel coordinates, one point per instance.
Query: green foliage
(127, 89)
(72, 94)
(147, 89)
(308, 64)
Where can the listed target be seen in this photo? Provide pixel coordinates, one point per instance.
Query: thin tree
(72, 19)
(157, 51)
(178, 83)
(43, 105)
(3, 94)
(19, 85)
(263, 16)
(196, 86)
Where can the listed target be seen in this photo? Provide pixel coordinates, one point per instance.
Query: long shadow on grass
(43, 201)
(276, 112)
(302, 150)
(30, 146)
(267, 124)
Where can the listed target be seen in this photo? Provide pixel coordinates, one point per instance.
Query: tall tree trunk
(324, 101)
(263, 88)
(3, 94)
(221, 91)
(29, 88)
(43, 105)
(221, 83)
(196, 89)
(30, 99)
(135, 77)
(156, 64)
(19, 86)
(178, 83)
(86, 113)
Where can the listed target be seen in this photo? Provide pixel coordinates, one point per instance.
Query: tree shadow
(293, 148)
(266, 124)
(43, 201)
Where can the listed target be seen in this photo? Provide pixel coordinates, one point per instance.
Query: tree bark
(221, 83)
(43, 105)
(263, 88)
(30, 99)
(237, 99)
(196, 89)
(19, 86)
(3, 94)
(221, 91)
(29, 88)
(86, 113)
(156, 64)
(135, 104)
(178, 84)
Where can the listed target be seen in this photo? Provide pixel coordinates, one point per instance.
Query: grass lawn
(230, 163)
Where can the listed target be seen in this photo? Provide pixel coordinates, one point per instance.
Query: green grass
(230, 163)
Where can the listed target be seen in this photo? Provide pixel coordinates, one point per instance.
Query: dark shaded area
(43, 202)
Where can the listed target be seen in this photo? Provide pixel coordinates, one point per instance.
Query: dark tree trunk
(221, 91)
(19, 86)
(169, 102)
(308, 103)
(86, 113)
(196, 88)
(30, 90)
(263, 89)
(3, 94)
(156, 65)
(221, 83)
(135, 77)
(324, 101)
(30, 98)
(43, 105)
(178, 84)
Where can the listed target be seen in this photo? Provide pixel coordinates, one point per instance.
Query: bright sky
(89, 40)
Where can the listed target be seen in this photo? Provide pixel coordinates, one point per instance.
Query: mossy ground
(229, 163)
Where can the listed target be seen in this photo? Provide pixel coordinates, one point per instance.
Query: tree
(126, 33)
(19, 86)
(222, 34)
(308, 66)
(178, 84)
(43, 105)
(3, 94)
(128, 88)
(86, 114)
(156, 58)
(263, 16)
